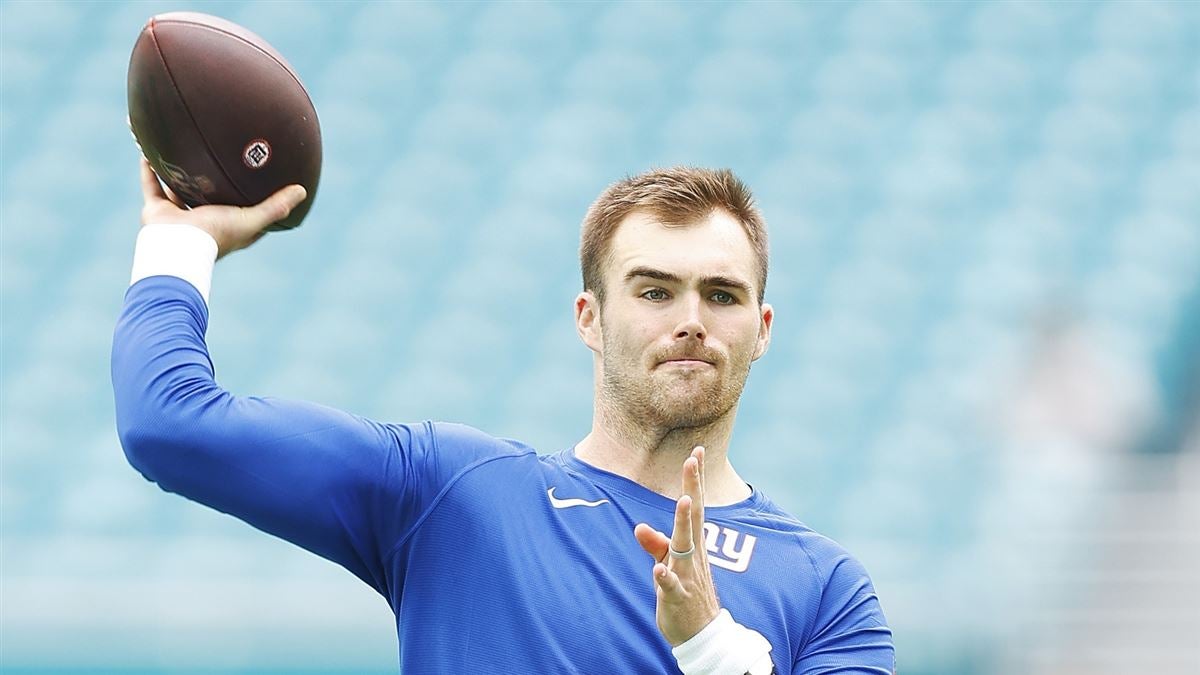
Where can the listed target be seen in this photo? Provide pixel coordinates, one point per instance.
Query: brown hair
(676, 197)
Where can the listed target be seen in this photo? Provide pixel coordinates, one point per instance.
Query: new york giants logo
(728, 548)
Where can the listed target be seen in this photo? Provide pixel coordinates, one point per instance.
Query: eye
(655, 295)
(723, 298)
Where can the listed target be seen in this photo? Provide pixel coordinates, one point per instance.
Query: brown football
(220, 114)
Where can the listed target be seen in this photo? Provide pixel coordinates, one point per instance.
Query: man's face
(680, 323)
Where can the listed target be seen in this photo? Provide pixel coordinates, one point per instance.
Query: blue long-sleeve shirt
(494, 558)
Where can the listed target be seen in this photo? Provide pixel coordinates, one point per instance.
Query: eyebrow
(661, 275)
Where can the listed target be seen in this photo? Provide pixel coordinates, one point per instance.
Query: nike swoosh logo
(568, 503)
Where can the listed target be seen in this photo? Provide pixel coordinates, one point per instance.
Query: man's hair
(676, 197)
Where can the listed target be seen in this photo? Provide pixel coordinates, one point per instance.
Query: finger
(698, 455)
(652, 541)
(698, 496)
(691, 488)
(691, 478)
(666, 580)
(681, 537)
(173, 197)
(151, 188)
(274, 208)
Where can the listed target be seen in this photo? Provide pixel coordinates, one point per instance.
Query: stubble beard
(663, 400)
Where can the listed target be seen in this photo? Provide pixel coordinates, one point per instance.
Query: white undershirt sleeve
(724, 647)
(175, 250)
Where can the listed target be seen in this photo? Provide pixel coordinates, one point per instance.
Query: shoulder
(448, 447)
(464, 438)
(433, 454)
(830, 561)
(429, 458)
(843, 614)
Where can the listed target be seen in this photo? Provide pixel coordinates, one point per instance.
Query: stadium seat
(354, 77)
(633, 81)
(1157, 27)
(779, 26)
(586, 133)
(750, 79)
(462, 129)
(1049, 28)
(424, 33)
(504, 80)
(547, 30)
(712, 134)
(865, 78)
(664, 32)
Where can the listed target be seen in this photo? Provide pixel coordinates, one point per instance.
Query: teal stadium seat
(354, 76)
(633, 81)
(667, 33)
(429, 27)
(712, 134)
(503, 80)
(582, 131)
(464, 129)
(549, 31)
(781, 28)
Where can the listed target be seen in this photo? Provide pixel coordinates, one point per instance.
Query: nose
(691, 324)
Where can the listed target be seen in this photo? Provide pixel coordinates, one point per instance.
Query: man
(496, 559)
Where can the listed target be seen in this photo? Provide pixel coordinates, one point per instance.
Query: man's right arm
(310, 474)
(336, 484)
(339, 485)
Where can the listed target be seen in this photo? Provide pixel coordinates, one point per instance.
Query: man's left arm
(850, 634)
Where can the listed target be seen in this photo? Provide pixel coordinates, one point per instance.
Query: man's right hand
(233, 227)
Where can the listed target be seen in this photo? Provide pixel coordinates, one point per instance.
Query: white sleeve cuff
(723, 647)
(175, 250)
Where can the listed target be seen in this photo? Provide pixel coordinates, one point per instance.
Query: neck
(653, 456)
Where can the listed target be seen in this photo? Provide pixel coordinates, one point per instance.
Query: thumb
(274, 208)
(652, 541)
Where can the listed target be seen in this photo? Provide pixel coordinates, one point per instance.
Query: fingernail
(298, 193)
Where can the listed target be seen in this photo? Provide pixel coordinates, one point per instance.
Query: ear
(766, 318)
(587, 320)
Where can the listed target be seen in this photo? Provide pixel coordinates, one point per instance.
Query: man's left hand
(687, 598)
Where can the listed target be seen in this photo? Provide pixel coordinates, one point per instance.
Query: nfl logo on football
(256, 153)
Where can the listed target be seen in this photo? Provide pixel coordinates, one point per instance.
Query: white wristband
(175, 250)
(723, 647)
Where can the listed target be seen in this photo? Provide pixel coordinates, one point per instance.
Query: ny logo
(724, 548)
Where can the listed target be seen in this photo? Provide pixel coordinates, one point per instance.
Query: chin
(673, 400)
(689, 419)
(690, 409)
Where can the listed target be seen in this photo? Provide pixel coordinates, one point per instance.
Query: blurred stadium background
(985, 377)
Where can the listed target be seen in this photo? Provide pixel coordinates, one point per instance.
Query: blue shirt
(494, 558)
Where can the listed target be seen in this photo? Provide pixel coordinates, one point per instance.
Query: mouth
(686, 363)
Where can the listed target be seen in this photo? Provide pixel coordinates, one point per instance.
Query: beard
(673, 398)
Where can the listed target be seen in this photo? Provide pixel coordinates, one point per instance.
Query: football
(220, 114)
